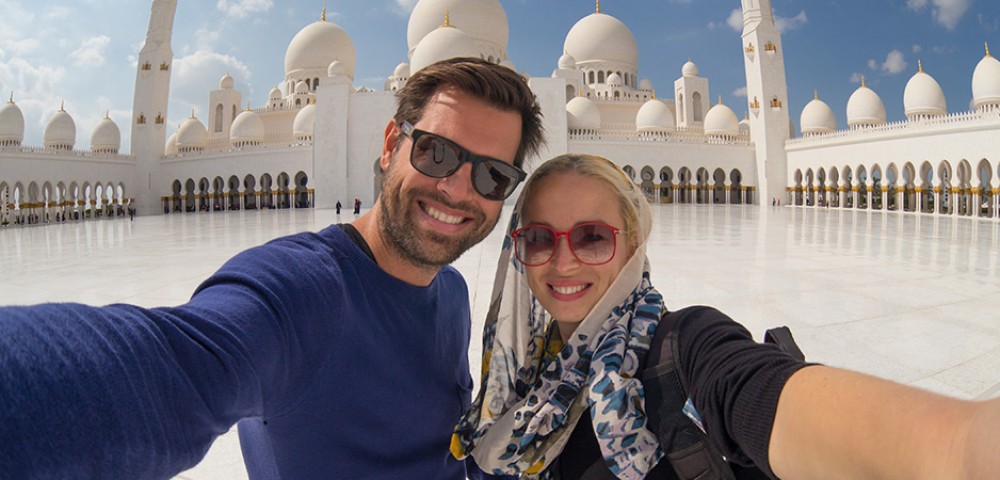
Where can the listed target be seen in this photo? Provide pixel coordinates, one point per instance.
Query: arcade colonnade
(240, 192)
(704, 185)
(32, 202)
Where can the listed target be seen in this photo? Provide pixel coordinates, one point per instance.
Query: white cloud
(91, 52)
(917, 49)
(872, 64)
(740, 92)
(856, 77)
(785, 24)
(242, 8)
(403, 7)
(946, 12)
(894, 63)
(196, 74)
(57, 12)
(735, 20)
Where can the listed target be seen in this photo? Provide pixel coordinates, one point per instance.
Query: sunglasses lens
(495, 180)
(433, 157)
(534, 245)
(592, 243)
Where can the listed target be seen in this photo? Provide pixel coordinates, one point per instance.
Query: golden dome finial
(322, 17)
(815, 94)
(248, 106)
(62, 106)
(920, 66)
(598, 6)
(447, 19)
(654, 95)
(863, 81)
(988, 49)
(107, 114)
(720, 99)
(192, 113)
(11, 97)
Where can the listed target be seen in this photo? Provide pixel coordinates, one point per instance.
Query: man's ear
(389, 144)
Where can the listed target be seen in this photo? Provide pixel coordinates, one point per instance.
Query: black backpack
(691, 454)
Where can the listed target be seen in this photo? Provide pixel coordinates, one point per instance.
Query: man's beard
(424, 248)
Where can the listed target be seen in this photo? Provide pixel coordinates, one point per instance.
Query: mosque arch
(233, 193)
(821, 196)
(570, 92)
(174, 204)
(249, 192)
(877, 194)
(964, 200)
(984, 191)
(696, 105)
(719, 186)
(835, 188)
(219, 112)
(203, 195)
(848, 187)
(189, 205)
(266, 192)
(302, 194)
(863, 188)
(666, 185)
(909, 177)
(630, 172)
(684, 185)
(892, 190)
(797, 200)
(946, 196)
(736, 196)
(701, 176)
(809, 185)
(925, 192)
(648, 188)
(284, 200)
(600, 77)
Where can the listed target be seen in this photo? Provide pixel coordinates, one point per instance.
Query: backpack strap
(686, 446)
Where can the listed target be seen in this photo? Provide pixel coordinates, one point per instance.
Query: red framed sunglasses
(592, 243)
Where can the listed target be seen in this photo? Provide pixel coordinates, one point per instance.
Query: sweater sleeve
(126, 392)
(734, 382)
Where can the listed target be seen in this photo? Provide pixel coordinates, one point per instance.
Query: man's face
(432, 221)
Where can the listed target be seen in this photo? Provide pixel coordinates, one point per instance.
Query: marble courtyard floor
(908, 297)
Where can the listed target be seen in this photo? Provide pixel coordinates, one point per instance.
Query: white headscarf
(534, 389)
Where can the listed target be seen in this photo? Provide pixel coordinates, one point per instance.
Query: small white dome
(304, 123)
(484, 20)
(301, 88)
(582, 114)
(865, 107)
(60, 132)
(654, 116)
(227, 82)
(106, 137)
(817, 117)
(316, 46)
(11, 123)
(645, 84)
(442, 44)
(247, 128)
(923, 96)
(402, 70)
(615, 80)
(567, 62)
(191, 135)
(171, 148)
(275, 94)
(986, 82)
(336, 69)
(601, 38)
(720, 120)
(745, 126)
(689, 69)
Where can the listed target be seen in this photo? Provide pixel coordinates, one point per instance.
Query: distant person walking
(357, 206)
(338, 207)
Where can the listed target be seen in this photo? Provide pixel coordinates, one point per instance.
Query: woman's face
(566, 287)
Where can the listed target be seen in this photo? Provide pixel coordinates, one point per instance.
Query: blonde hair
(632, 203)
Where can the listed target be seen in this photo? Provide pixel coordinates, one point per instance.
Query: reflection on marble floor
(907, 297)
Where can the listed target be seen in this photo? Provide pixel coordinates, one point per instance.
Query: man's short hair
(498, 86)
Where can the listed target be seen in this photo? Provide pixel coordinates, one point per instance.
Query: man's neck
(388, 258)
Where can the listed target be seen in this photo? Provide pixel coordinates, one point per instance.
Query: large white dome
(315, 47)
(582, 114)
(986, 82)
(171, 148)
(923, 96)
(402, 70)
(817, 117)
(60, 132)
(484, 20)
(720, 120)
(599, 37)
(865, 107)
(106, 137)
(654, 116)
(305, 122)
(442, 44)
(689, 69)
(191, 135)
(11, 123)
(247, 128)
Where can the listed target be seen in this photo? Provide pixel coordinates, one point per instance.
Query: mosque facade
(317, 139)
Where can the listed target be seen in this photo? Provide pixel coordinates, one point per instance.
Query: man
(343, 352)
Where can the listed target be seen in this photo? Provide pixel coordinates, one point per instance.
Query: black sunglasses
(438, 157)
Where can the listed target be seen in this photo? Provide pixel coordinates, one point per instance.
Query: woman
(566, 343)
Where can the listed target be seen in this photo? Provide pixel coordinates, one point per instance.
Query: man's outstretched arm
(833, 423)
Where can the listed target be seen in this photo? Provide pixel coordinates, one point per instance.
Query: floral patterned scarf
(534, 388)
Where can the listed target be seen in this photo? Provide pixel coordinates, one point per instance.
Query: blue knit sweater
(337, 370)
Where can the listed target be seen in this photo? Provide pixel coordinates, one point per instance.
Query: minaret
(767, 96)
(149, 108)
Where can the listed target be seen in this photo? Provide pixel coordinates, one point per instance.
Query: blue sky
(83, 51)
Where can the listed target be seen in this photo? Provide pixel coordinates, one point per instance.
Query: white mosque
(316, 140)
